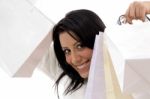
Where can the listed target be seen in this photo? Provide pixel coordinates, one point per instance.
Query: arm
(137, 10)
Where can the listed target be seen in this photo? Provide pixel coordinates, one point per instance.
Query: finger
(142, 14)
(132, 11)
(137, 11)
(128, 20)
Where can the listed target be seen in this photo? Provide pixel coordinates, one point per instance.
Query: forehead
(66, 39)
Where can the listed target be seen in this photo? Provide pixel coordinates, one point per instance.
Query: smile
(83, 65)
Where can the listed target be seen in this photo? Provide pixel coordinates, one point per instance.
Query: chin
(84, 76)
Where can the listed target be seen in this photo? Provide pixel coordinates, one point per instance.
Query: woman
(74, 38)
(73, 41)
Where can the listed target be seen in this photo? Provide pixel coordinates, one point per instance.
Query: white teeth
(82, 66)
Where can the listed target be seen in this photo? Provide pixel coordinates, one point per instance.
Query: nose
(75, 58)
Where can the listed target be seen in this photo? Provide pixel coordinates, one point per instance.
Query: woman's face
(78, 56)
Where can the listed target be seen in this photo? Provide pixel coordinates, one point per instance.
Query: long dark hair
(83, 25)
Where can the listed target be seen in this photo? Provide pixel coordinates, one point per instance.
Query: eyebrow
(73, 45)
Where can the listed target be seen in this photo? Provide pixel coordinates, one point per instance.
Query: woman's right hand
(137, 10)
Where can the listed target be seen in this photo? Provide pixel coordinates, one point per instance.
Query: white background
(39, 86)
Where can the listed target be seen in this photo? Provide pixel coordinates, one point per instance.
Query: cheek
(68, 59)
(86, 53)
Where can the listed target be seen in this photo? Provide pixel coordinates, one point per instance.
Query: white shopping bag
(96, 79)
(129, 50)
(24, 36)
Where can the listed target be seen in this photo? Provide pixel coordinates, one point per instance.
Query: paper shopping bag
(24, 36)
(113, 90)
(96, 79)
(129, 50)
(102, 80)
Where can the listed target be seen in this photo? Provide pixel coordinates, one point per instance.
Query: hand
(137, 10)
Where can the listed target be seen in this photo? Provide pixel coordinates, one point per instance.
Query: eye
(80, 46)
(66, 51)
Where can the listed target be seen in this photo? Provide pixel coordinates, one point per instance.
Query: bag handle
(122, 19)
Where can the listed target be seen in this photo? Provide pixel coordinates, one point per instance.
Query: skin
(77, 56)
(137, 10)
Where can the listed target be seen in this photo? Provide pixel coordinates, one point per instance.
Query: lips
(84, 65)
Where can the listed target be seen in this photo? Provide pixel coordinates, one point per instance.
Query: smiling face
(78, 56)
